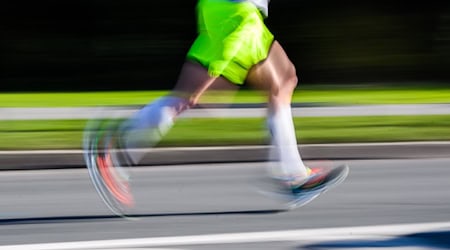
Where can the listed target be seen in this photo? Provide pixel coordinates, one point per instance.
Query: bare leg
(192, 82)
(277, 77)
(150, 124)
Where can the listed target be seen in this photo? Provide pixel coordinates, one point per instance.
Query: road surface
(392, 204)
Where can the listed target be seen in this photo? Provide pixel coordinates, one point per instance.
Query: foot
(114, 178)
(322, 179)
(300, 192)
(297, 192)
(106, 164)
(294, 181)
(316, 178)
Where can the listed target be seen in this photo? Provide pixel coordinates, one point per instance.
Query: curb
(60, 159)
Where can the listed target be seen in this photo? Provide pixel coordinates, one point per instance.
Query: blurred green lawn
(319, 94)
(67, 134)
(54, 134)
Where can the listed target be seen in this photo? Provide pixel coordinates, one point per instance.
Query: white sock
(147, 127)
(284, 144)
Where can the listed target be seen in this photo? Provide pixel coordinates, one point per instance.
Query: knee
(290, 79)
(281, 92)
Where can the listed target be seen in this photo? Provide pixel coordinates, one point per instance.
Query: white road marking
(380, 232)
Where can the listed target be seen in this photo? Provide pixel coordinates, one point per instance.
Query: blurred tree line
(137, 44)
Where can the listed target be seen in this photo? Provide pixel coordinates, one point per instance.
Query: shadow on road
(435, 239)
(90, 218)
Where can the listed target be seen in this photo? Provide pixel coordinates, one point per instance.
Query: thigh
(274, 72)
(194, 80)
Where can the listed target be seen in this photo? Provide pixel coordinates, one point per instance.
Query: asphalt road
(392, 204)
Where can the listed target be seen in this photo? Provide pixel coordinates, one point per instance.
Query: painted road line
(309, 236)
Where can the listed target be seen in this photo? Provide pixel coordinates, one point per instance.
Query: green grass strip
(317, 94)
(68, 99)
(15, 135)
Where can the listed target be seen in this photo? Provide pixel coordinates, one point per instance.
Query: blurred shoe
(113, 162)
(302, 191)
(321, 178)
(107, 164)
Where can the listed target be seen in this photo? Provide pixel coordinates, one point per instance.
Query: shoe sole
(293, 201)
(333, 179)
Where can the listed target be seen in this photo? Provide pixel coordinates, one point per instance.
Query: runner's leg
(276, 75)
(150, 124)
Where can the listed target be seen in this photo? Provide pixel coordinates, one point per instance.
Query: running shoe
(319, 181)
(297, 192)
(108, 167)
(316, 178)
